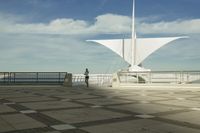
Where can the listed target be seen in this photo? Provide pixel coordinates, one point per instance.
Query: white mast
(133, 38)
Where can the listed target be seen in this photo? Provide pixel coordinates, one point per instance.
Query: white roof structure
(135, 50)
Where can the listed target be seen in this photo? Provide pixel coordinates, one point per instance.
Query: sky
(50, 35)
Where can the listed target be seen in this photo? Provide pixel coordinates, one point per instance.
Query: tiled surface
(28, 111)
(104, 101)
(183, 103)
(30, 99)
(83, 115)
(144, 108)
(145, 116)
(18, 122)
(5, 108)
(50, 105)
(142, 97)
(43, 109)
(139, 126)
(79, 96)
(189, 117)
(63, 127)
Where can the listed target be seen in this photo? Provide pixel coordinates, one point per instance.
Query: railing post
(151, 76)
(14, 77)
(148, 77)
(137, 77)
(8, 77)
(4, 78)
(176, 77)
(182, 73)
(181, 79)
(59, 77)
(37, 77)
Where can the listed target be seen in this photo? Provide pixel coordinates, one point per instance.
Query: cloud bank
(107, 23)
(180, 26)
(103, 24)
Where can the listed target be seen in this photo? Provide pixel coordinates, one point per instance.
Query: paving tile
(52, 132)
(144, 102)
(123, 94)
(145, 108)
(16, 95)
(104, 101)
(9, 103)
(139, 126)
(180, 98)
(4, 126)
(183, 103)
(28, 111)
(96, 106)
(188, 117)
(66, 100)
(6, 109)
(18, 122)
(195, 109)
(194, 98)
(145, 116)
(30, 99)
(83, 115)
(51, 105)
(175, 95)
(63, 127)
(142, 98)
(79, 96)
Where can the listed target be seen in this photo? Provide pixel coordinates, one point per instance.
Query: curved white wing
(145, 47)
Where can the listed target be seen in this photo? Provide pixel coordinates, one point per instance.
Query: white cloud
(58, 26)
(111, 23)
(179, 26)
(107, 23)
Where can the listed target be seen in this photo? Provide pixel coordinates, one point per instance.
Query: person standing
(86, 77)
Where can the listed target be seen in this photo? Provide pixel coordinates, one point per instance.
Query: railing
(32, 78)
(95, 79)
(12, 78)
(176, 77)
(172, 77)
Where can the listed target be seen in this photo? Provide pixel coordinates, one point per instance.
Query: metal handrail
(177, 77)
(100, 79)
(32, 77)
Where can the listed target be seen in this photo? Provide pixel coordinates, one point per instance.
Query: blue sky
(49, 35)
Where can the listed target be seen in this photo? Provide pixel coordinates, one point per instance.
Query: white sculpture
(135, 50)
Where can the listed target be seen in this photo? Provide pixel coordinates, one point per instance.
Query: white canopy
(145, 47)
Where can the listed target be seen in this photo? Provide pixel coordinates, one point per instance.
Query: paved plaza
(57, 109)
